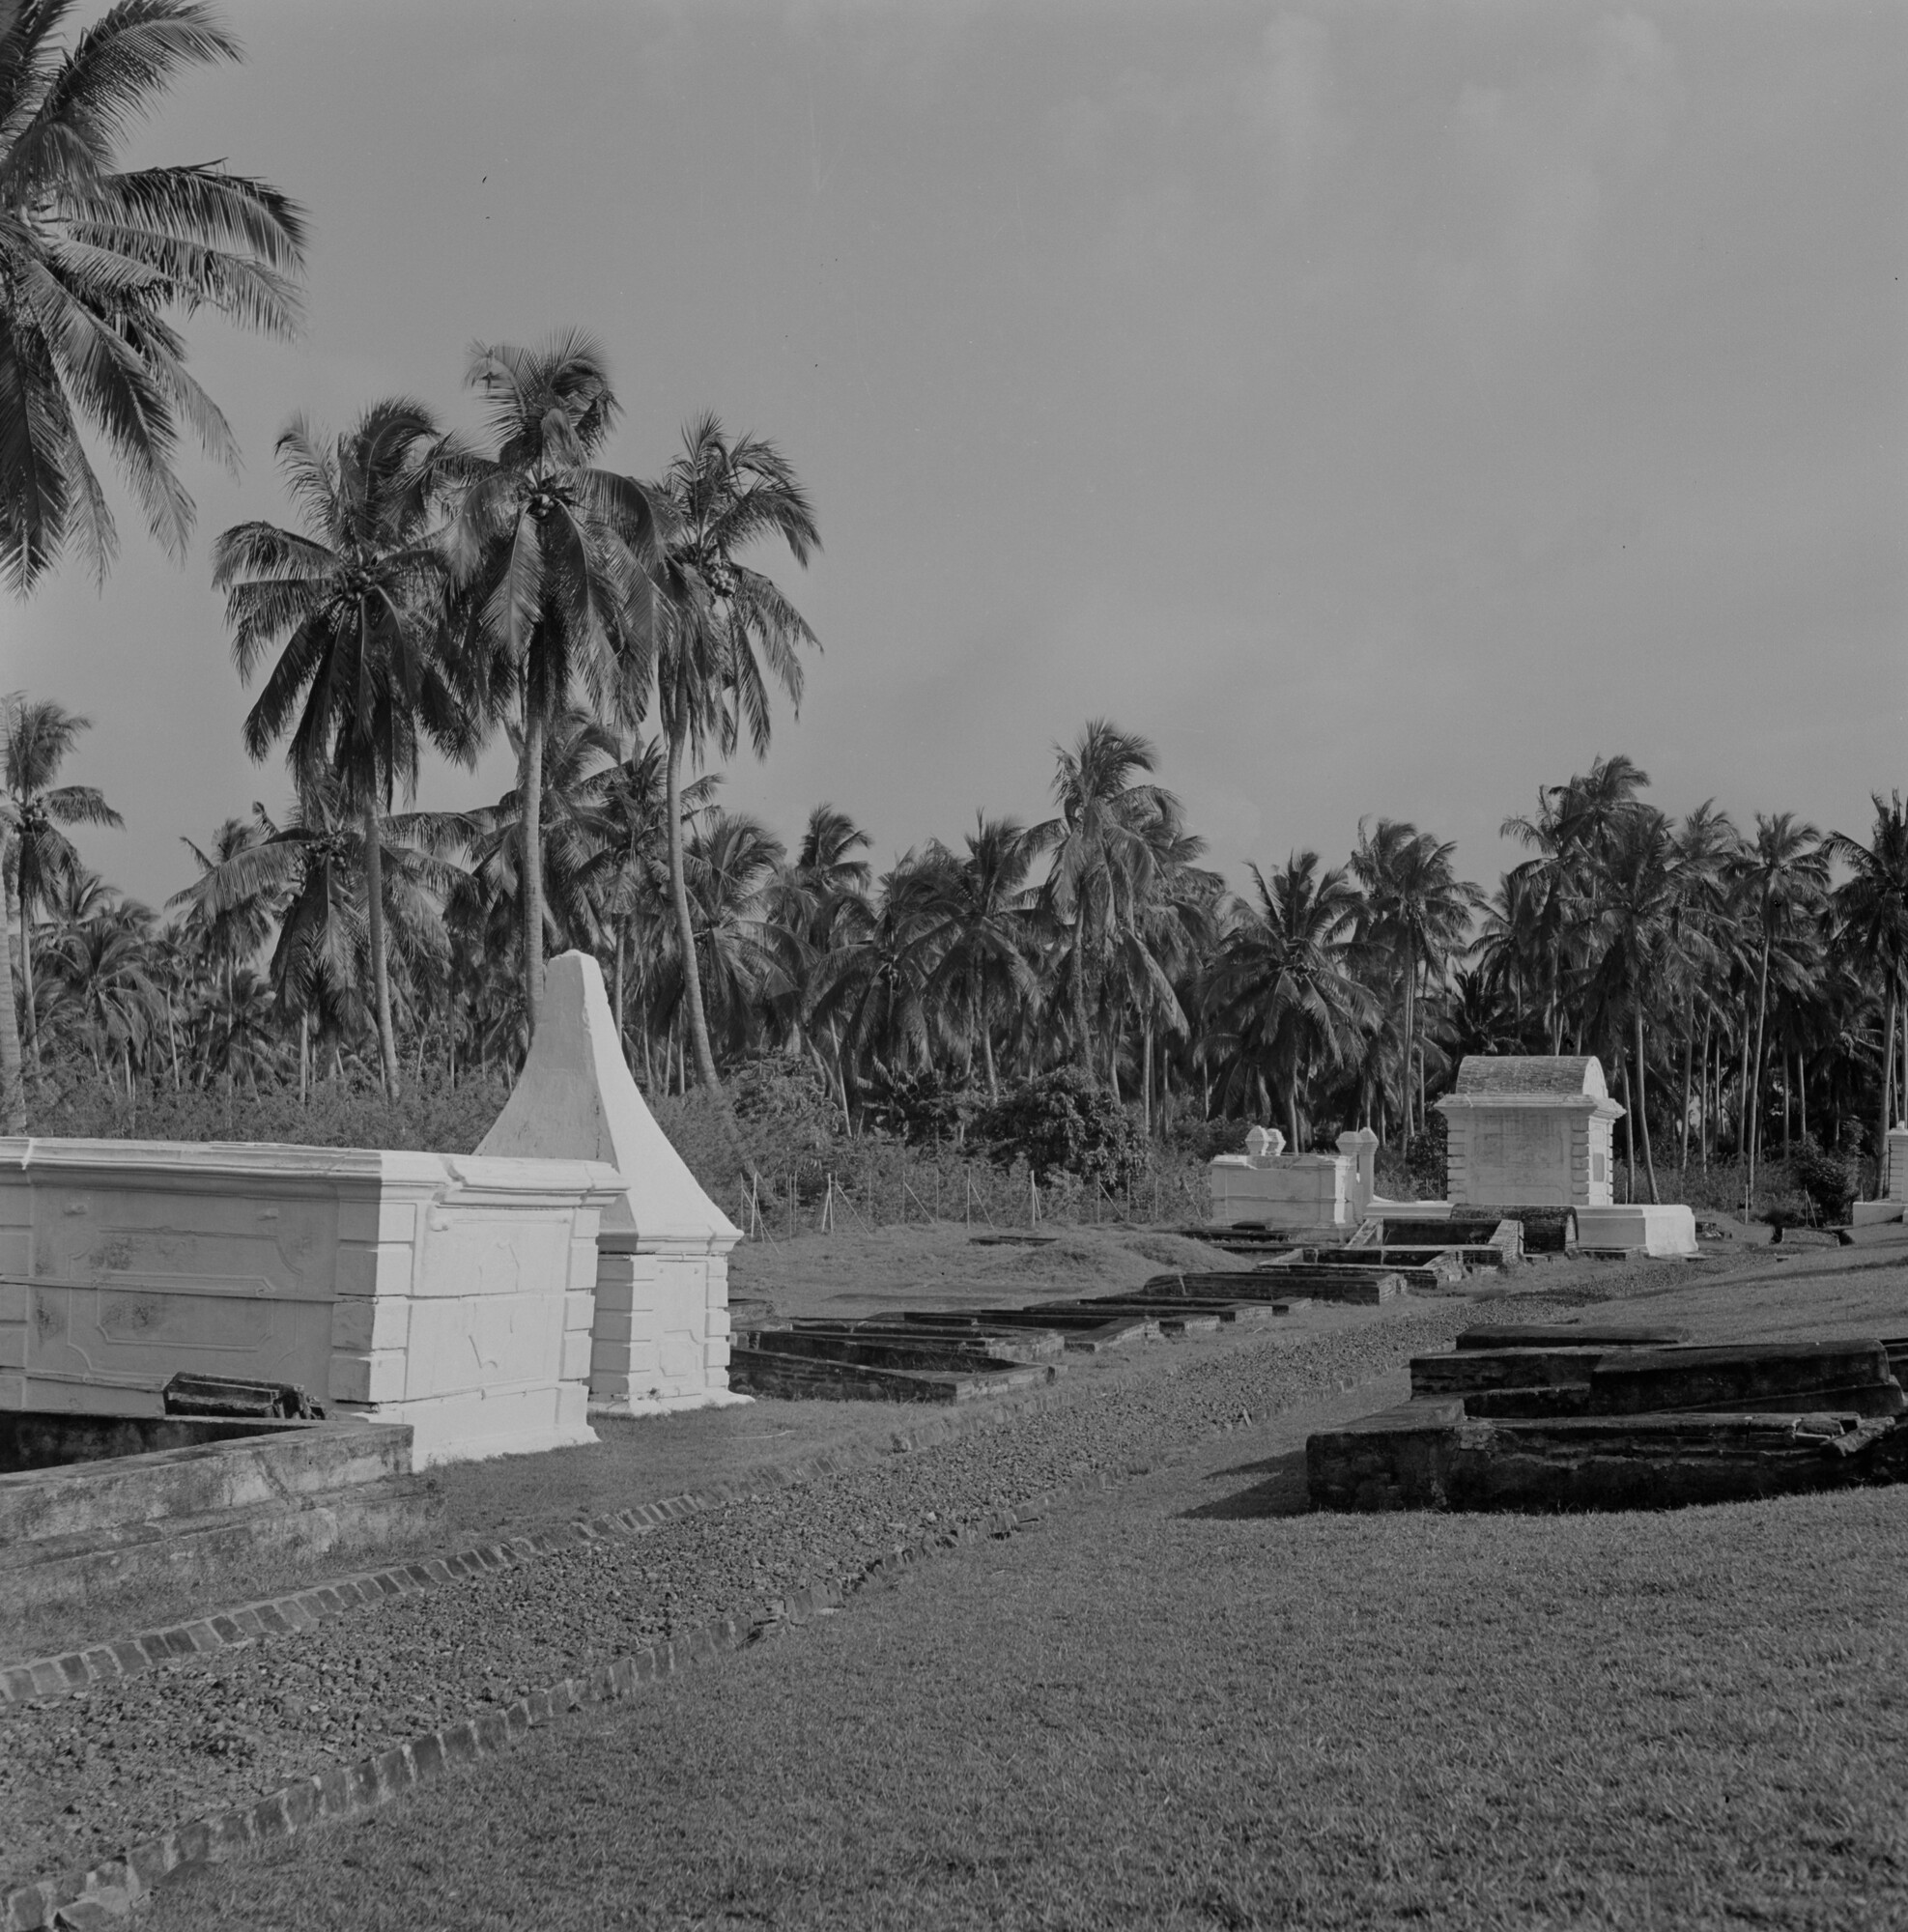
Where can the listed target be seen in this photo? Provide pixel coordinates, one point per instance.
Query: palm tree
(37, 740)
(1704, 936)
(1639, 897)
(313, 868)
(1416, 912)
(227, 937)
(722, 633)
(1284, 992)
(1571, 834)
(353, 602)
(1783, 873)
(550, 551)
(95, 257)
(984, 909)
(104, 965)
(875, 983)
(732, 862)
(1871, 908)
(1109, 843)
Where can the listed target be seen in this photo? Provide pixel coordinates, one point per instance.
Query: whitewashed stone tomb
(1303, 1192)
(1535, 1131)
(661, 1328)
(447, 1291)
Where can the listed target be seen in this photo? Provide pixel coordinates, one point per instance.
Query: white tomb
(1303, 1192)
(662, 1330)
(1535, 1131)
(447, 1291)
(1894, 1184)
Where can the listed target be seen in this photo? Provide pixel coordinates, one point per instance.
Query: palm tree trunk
(12, 1092)
(1755, 1072)
(29, 1015)
(1629, 1128)
(1887, 1068)
(1642, 1108)
(381, 975)
(529, 800)
(1902, 1092)
(1079, 976)
(622, 1024)
(1689, 1077)
(691, 976)
(1146, 1081)
(987, 1057)
(1410, 1021)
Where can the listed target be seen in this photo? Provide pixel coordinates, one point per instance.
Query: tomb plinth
(1535, 1131)
(1303, 1192)
(660, 1329)
(1894, 1184)
(446, 1292)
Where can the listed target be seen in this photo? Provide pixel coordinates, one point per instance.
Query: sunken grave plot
(966, 1354)
(1570, 1417)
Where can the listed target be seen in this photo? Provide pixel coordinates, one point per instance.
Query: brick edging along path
(67, 1671)
(110, 1891)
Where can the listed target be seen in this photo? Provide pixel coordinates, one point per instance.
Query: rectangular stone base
(1637, 1230)
(669, 1404)
(69, 1531)
(1428, 1455)
(1874, 1213)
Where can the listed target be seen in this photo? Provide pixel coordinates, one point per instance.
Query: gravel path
(83, 1776)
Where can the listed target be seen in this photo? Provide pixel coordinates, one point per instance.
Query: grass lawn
(1193, 1704)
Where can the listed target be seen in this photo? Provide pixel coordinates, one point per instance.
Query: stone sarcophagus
(1529, 1131)
(1266, 1186)
(1535, 1131)
(450, 1292)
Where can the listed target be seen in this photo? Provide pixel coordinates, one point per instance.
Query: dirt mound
(1178, 1251)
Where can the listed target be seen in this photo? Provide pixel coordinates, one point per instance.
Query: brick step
(1632, 1381)
(1007, 1345)
(933, 1354)
(801, 1377)
(1283, 1282)
(1571, 1335)
(1427, 1455)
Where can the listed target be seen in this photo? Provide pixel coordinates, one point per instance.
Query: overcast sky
(1385, 408)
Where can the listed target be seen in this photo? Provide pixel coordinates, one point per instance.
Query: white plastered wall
(453, 1293)
(661, 1335)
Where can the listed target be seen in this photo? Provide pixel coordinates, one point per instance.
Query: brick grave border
(60, 1674)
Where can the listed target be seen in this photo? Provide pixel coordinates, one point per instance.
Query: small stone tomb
(661, 1332)
(1535, 1131)
(1303, 1192)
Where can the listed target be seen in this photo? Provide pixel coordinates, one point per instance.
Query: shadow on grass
(1279, 1491)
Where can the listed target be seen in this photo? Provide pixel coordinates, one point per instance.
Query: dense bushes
(1062, 1124)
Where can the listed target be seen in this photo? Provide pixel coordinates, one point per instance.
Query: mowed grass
(1192, 1705)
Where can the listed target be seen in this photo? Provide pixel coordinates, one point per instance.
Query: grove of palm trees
(1743, 987)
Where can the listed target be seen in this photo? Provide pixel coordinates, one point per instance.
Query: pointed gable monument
(660, 1334)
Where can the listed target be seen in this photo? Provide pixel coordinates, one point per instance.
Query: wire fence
(888, 1187)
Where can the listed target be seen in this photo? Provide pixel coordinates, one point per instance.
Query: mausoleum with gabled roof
(1529, 1130)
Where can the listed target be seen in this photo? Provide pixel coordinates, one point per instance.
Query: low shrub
(1063, 1123)
(1825, 1180)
